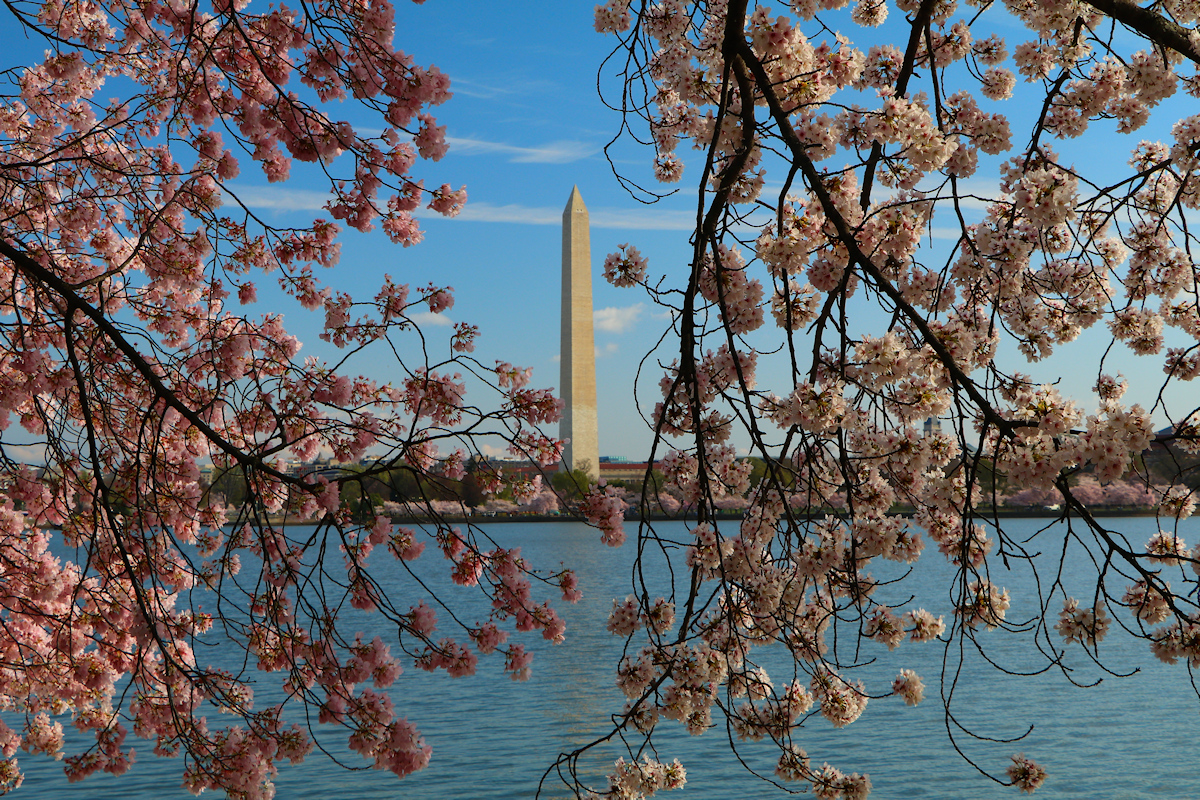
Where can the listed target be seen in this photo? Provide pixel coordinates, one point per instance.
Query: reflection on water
(1127, 738)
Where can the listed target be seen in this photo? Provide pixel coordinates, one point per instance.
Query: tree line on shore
(402, 492)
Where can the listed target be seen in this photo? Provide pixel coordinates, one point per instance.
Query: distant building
(611, 470)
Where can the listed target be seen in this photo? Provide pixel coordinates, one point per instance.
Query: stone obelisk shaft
(578, 355)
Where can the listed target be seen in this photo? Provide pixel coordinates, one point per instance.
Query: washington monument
(577, 358)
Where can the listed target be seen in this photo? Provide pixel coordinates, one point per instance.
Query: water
(1128, 738)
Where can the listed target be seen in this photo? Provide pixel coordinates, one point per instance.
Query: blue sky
(525, 125)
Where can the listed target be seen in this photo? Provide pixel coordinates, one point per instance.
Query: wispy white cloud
(424, 319)
(560, 152)
(512, 213)
(284, 198)
(26, 453)
(483, 92)
(616, 319)
(643, 219)
(646, 218)
(507, 85)
(945, 233)
(609, 349)
(975, 203)
(280, 198)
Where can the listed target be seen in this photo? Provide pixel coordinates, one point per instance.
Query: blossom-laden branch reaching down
(134, 358)
(852, 248)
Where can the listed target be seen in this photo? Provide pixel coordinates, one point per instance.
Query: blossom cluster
(167, 402)
(883, 335)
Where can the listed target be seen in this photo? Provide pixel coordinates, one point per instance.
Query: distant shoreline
(1006, 513)
(482, 519)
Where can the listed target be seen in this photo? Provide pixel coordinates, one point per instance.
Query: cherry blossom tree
(134, 355)
(1089, 492)
(544, 502)
(828, 167)
(886, 217)
(1042, 496)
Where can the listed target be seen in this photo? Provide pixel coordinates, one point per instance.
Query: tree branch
(1154, 27)
(37, 273)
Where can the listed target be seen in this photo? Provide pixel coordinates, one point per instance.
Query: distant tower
(577, 359)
